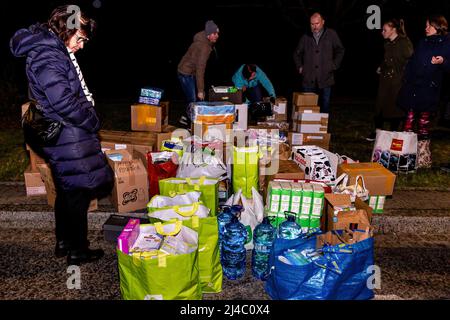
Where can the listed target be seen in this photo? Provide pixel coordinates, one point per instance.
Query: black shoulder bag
(39, 131)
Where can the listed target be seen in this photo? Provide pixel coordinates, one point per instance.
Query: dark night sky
(140, 43)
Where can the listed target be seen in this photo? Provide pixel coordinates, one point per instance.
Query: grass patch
(351, 124)
(13, 156)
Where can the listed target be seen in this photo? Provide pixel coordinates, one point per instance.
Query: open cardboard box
(361, 217)
(131, 188)
(379, 180)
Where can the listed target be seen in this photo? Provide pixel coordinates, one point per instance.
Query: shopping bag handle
(343, 178)
(196, 186)
(189, 213)
(159, 228)
(173, 194)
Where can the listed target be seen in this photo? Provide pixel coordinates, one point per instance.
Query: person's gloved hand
(272, 100)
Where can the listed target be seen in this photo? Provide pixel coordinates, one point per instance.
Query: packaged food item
(129, 236)
(147, 242)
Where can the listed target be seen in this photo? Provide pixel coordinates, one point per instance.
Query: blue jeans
(324, 97)
(188, 84)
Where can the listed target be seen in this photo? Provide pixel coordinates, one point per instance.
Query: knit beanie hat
(211, 27)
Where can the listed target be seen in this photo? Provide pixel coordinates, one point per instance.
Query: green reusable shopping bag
(207, 186)
(246, 170)
(210, 268)
(166, 277)
(211, 274)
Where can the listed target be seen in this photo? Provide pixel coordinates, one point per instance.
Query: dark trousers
(394, 123)
(188, 84)
(254, 94)
(324, 97)
(71, 215)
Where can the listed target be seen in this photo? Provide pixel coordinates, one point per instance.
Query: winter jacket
(319, 61)
(422, 82)
(261, 78)
(194, 61)
(76, 160)
(396, 56)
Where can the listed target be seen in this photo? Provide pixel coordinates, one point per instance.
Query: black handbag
(39, 131)
(260, 110)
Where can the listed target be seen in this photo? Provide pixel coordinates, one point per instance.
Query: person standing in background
(318, 56)
(191, 69)
(397, 51)
(421, 89)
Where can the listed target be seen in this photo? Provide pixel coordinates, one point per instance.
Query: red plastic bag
(159, 171)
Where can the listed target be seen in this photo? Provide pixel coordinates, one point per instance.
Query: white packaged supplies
(179, 200)
(181, 212)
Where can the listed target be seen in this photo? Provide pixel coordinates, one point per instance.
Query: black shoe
(372, 137)
(79, 257)
(61, 249)
(185, 122)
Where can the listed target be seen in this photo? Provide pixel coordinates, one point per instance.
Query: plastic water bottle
(263, 238)
(290, 230)
(225, 217)
(233, 250)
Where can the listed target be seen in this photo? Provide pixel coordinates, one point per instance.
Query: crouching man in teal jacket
(252, 80)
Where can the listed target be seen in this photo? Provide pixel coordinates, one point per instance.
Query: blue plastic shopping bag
(334, 271)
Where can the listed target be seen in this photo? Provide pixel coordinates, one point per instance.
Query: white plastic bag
(179, 200)
(396, 151)
(253, 213)
(181, 212)
(200, 164)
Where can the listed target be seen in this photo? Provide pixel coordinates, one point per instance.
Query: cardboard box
(234, 98)
(305, 99)
(149, 118)
(305, 109)
(313, 118)
(379, 181)
(241, 121)
(35, 160)
(25, 107)
(279, 110)
(210, 132)
(46, 175)
(34, 184)
(312, 128)
(310, 139)
(288, 170)
(131, 189)
(137, 151)
(360, 217)
(317, 167)
(148, 139)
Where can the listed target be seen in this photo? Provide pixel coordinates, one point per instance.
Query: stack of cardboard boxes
(309, 126)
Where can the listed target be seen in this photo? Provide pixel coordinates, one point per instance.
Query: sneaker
(372, 137)
(185, 122)
(79, 257)
(446, 168)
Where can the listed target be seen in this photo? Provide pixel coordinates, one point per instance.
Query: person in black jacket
(420, 92)
(80, 169)
(318, 55)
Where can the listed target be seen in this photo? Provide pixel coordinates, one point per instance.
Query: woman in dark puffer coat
(420, 93)
(80, 169)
